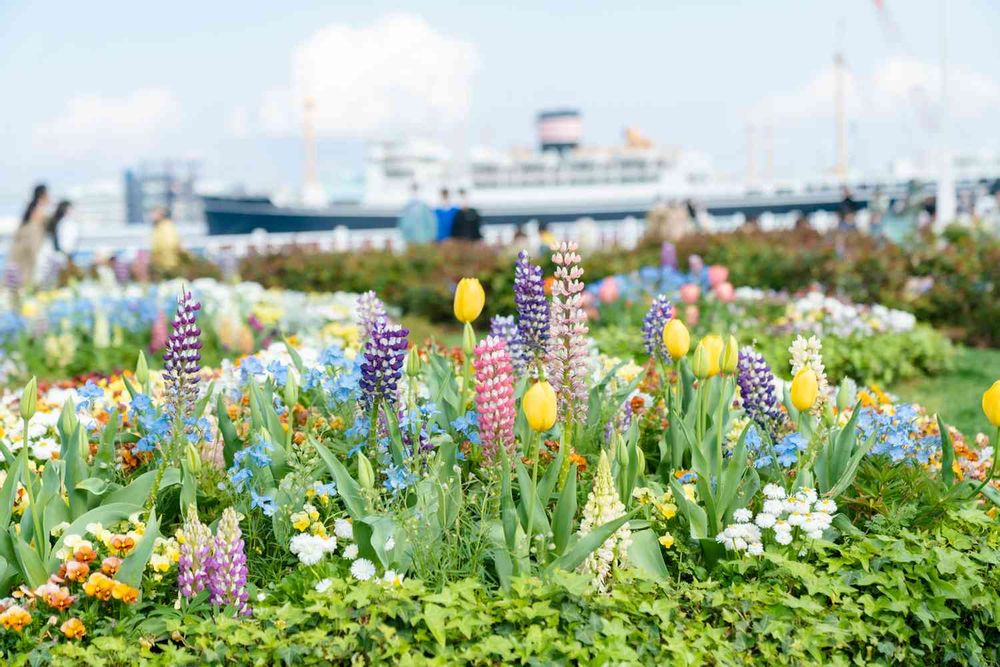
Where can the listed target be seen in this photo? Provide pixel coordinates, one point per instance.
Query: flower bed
(872, 343)
(522, 498)
(101, 326)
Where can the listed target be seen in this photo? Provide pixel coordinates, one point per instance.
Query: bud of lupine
(382, 366)
(12, 277)
(182, 357)
(195, 550)
(657, 316)
(495, 398)
(370, 310)
(756, 382)
(567, 348)
(532, 306)
(504, 326)
(227, 570)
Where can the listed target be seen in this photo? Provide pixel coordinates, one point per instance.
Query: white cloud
(396, 74)
(893, 87)
(118, 126)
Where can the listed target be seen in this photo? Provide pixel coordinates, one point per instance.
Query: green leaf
(294, 355)
(562, 517)
(588, 544)
(947, 453)
(33, 570)
(646, 554)
(230, 441)
(347, 488)
(135, 563)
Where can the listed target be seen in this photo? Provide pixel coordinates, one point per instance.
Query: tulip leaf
(947, 453)
(587, 544)
(562, 517)
(646, 554)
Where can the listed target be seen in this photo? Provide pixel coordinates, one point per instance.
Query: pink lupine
(495, 398)
(158, 332)
(567, 349)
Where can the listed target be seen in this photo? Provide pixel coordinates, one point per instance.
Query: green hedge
(921, 597)
(963, 298)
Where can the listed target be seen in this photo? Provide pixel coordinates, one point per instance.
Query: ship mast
(309, 140)
(840, 169)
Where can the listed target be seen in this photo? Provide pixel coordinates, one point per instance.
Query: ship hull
(235, 215)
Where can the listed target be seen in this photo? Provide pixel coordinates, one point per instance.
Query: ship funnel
(559, 129)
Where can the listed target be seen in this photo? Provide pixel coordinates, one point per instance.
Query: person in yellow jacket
(165, 251)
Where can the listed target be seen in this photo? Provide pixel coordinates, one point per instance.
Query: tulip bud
(469, 300)
(711, 347)
(676, 339)
(701, 364)
(366, 474)
(846, 395)
(29, 399)
(193, 458)
(539, 405)
(291, 390)
(413, 363)
(141, 369)
(67, 418)
(642, 461)
(991, 404)
(468, 340)
(805, 389)
(730, 355)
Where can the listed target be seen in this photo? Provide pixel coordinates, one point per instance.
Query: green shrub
(930, 597)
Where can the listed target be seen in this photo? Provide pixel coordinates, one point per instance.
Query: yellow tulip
(805, 389)
(539, 406)
(676, 338)
(991, 404)
(469, 300)
(730, 355)
(710, 352)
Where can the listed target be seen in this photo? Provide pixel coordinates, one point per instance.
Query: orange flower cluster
(15, 618)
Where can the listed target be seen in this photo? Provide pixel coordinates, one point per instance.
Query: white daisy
(362, 569)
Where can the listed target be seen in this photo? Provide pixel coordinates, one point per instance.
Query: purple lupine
(659, 313)
(566, 357)
(195, 552)
(182, 358)
(756, 382)
(532, 306)
(370, 310)
(504, 326)
(120, 268)
(12, 277)
(382, 367)
(668, 255)
(227, 565)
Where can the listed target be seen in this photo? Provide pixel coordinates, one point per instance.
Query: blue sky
(91, 87)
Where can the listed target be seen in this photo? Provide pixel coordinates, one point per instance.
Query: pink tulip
(690, 293)
(691, 314)
(725, 292)
(608, 290)
(717, 274)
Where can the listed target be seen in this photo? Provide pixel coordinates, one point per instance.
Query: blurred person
(878, 205)
(22, 255)
(417, 222)
(521, 240)
(846, 211)
(752, 224)
(545, 235)
(678, 222)
(656, 221)
(165, 244)
(801, 222)
(51, 252)
(445, 213)
(468, 223)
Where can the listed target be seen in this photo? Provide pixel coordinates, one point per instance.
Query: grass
(957, 395)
